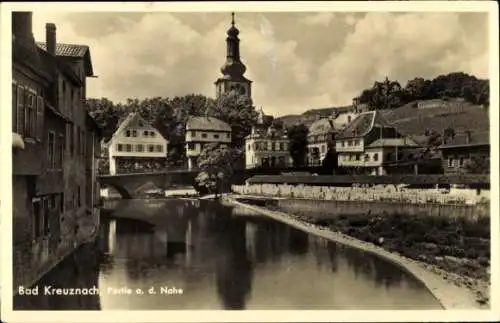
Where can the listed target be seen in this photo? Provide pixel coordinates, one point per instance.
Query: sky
(296, 60)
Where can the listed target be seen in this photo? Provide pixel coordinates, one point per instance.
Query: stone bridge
(130, 185)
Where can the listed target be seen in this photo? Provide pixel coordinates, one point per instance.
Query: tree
(216, 163)
(238, 111)
(477, 165)
(330, 163)
(297, 135)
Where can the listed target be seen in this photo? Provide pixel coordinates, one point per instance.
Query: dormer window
(146, 133)
(127, 134)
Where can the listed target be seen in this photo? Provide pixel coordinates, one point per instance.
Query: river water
(202, 255)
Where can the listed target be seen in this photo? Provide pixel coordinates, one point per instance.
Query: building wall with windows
(202, 131)
(464, 148)
(267, 147)
(46, 173)
(136, 140)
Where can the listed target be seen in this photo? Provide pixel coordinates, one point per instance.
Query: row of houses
(364, 143)
(55, 150)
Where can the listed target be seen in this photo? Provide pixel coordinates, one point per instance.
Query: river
(203, 255)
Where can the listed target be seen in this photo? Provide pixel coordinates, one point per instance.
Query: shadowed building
(54, 179)
(136, 146)
(467, 152)
(233, 70)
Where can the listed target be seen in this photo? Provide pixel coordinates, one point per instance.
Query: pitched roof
(393, 142)
(363, 124)
(207, 123)
(67, 50)
(134, 119)
(461, 139)
(74, 51)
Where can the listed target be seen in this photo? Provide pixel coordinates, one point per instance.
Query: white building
(369, 145)
(322, 133)
(266, 146)
(201, 131)
(136, 146)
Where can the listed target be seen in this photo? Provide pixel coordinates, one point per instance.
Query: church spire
(233, 66)
(233, 70)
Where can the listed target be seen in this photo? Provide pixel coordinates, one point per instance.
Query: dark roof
(73, 51)
(477, 138)
(67, 50)
(362, 125)
(393, 142)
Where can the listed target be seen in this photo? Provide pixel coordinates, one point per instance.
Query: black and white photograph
(240, 161)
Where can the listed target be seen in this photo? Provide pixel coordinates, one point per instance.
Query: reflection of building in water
(112, 237)
(234, 272)
(250, 230)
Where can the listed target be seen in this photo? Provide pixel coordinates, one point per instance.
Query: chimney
(50, 38)
(22, 25)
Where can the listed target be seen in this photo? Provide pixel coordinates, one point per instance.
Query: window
(461, 162)
(127, 133)
(190, 146)
(20, 110)
(119, 147)
(30, 115)
(367, 158)
(14, 106)
(51, 146)
(203, 135)
(60, 151)
(78, 196)
(151, 148)
(375, 157)
(152, 133)
(134, 133)
(358, 157)
(282, 146)
(193, 133)
(139, 148)
(323, 148)
(37, 217)
(216, 136)
(72, 140)
(249, 147)
(228, 135)
(145, 133)
(159, 148)
(39, 117)
(128, 147)
(141, 124)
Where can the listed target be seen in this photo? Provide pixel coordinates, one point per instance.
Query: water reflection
(223, 258)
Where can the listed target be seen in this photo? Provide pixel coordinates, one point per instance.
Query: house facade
(48, 179)
(202, 131)
(136, 146)
(368, 145)
(467, 152)
(321, 135)
(267, 147)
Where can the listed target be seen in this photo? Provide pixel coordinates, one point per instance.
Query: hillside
(461, 116)
(311, 115)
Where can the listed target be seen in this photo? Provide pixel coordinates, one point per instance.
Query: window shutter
(39, 117)
(20, 110)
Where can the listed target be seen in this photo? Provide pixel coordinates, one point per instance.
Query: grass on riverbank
(458, 246)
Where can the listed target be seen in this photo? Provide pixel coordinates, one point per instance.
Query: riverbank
(447, 277)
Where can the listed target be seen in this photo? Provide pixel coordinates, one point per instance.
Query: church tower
(233, 70)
